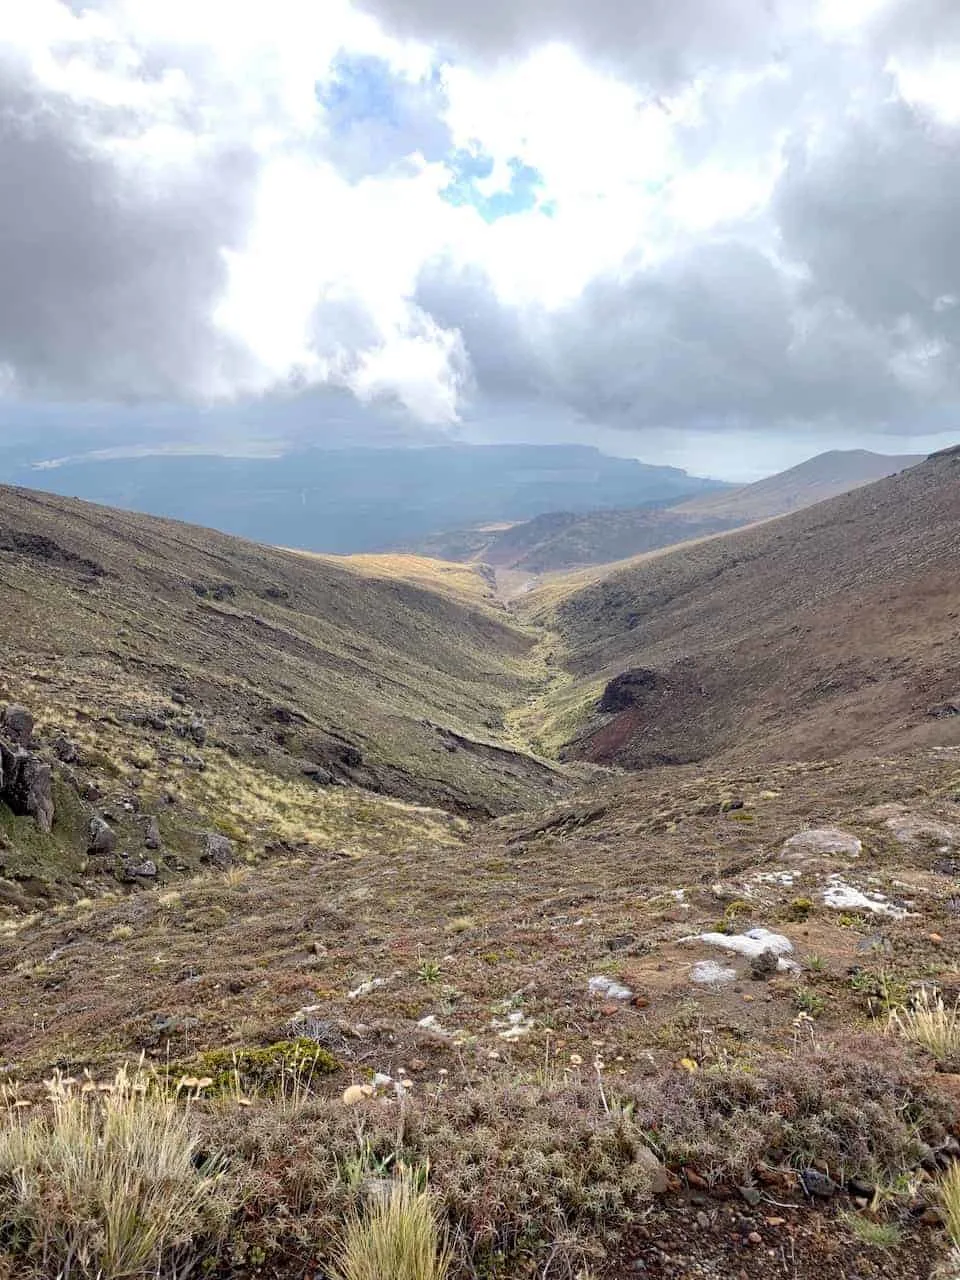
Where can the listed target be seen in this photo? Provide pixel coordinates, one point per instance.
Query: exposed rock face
(26, 786)
(151, 836)
(17, 725)
(218, 851)
(631, 689)
(102, 838)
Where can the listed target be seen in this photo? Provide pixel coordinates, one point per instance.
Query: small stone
(764, 966)
(703, 1219)
(755, 1238)
(659, 1182)
(751, 1195)
(145, 870)
(607, 987)
(858, 1187)
(818, 1184)
(640, 1001)
(151, 835)
(935, 937)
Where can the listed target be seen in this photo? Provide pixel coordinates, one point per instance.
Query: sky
(715, 233)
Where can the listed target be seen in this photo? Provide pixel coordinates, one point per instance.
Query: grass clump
(286, 1068)
(106, 1184)
(948, 1195)
(398, 1237)
(931, 1024)
(877, 1235)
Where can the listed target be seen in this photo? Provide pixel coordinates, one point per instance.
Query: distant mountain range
(567, 539)
(363, 499)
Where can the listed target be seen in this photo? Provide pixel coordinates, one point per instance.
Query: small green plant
(429, 972)
(808, 1002)
(878, 1235)
(815, 963)
(399, 1237)
(881, 991)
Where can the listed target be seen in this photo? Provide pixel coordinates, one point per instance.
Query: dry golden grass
(948, 1193)
(106, 1183)
(399, 1236)
(930, 1023)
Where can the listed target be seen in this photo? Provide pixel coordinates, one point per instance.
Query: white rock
(365, 988)
(710, 974)
(821, 840)
(844, 897)
(751, 943)
(601, 986)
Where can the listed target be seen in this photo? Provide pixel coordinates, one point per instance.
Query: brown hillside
(196, 661)
(562, 540)
(825, 476)
(825, 632)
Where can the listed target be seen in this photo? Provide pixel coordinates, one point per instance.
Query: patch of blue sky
(472, 169)
(377, 117)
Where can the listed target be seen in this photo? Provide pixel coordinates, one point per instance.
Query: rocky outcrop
(631, 689)
(26, 786)
(17, 725)
(151, 835)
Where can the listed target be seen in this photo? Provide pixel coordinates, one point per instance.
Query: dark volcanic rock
(17, 725)
(26, 786)
(631, 689)
(102, 838)
(218, 851)
(818, 1184)
(66, 750)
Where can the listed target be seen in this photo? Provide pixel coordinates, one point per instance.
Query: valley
(608, 902)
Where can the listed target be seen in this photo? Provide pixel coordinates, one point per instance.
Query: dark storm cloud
(665, 41)
(109, 276)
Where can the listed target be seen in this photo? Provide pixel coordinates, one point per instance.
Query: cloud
(109, 278)
(660, 41)
(681, 215)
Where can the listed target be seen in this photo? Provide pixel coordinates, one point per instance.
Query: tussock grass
(948, 1194)
(398, 1237)
(106, 1183)
(930, 1023)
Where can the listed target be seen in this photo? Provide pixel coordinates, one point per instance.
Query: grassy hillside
(693, 1021)
(188, 664)
(831, 630)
